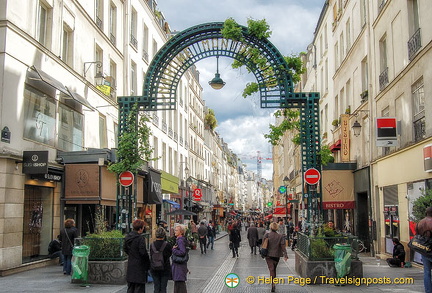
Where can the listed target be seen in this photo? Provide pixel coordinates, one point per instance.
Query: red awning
(279, 211)
(268, 217)
(336, 146)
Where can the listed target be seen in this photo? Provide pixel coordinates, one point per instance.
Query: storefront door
(37, 222)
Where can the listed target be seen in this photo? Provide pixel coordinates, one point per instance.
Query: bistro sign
(35, 162)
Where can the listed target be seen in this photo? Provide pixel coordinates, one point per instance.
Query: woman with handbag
(67, 238)
(276, 249)
(138, 258)
(179, 260)
(235, 239)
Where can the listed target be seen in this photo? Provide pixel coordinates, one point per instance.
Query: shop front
(338, 200)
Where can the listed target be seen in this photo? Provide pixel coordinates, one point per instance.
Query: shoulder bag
(264, 249)
(422, 243)
(70, 242)
(181, 259)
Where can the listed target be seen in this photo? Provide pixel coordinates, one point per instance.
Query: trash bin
(80, 264)
(342, 258)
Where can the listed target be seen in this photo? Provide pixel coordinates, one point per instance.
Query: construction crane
(259, 160)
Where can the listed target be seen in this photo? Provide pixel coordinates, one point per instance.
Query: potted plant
(335, 122)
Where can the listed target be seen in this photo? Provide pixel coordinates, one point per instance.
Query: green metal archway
(273, 78)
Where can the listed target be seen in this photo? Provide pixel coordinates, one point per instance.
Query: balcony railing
(145, 55)
(99, 22)
(414, 44)
(112, 39)
(170, 132)
(321, 248)
(133, 41)
(156, 119)
(383, 79)
(419, 129)
(164, 126)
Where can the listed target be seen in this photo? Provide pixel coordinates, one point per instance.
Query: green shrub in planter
(106, 246)
(320, 249)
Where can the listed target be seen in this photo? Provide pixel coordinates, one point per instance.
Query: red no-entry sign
(312, 176)
(126, 178)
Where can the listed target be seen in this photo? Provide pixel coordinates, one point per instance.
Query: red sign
(126, 178)
(312, 176)
(197, 193)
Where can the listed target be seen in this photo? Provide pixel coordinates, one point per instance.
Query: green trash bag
(342, 259)
(80, 263)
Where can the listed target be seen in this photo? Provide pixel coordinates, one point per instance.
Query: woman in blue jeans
(67, 238)
(161, 277)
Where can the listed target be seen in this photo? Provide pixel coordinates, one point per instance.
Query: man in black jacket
(398, 254)
(202, 234)
(55, 250)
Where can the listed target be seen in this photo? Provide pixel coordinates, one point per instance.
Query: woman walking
(67, 238)
(138, 260)
(160, 274)
(235, 239)
(276, 249)
(180, 270)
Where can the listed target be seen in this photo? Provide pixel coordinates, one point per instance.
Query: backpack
(157, 259)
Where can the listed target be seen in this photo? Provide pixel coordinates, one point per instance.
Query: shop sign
(48, 177)
(35, 162)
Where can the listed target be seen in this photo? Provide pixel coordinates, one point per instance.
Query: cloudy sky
(241, 122)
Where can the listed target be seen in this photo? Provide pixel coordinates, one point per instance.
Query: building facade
(369, 61)
(63, 65)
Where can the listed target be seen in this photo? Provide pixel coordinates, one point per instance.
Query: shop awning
(173, 203)
(336, 146)
(48, 79)
(51, 80)
(152, 190)
(80, 99)
(338, 189)
(280, 212)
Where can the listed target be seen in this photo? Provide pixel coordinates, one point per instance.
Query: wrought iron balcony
(145, 55)
(383, 79)
(133, 41)
(112, 39)
(419, 129)
(99, 22)
(414, 44)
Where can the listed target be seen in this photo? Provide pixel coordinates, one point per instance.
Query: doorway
(363, 219)
(37, 222)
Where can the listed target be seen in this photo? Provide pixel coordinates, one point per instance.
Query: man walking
(211, 234)
(202, 234)
(426, 225)
(252, 236)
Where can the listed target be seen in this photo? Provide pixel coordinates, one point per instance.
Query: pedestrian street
(212, 272)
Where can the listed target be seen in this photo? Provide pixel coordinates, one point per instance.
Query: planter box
(107, 272)
(315, 269)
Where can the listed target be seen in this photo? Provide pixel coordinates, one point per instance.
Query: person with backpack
(160, 266)
(55, 250)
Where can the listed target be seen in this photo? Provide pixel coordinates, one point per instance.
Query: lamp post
(286, 181)
(188, 181)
